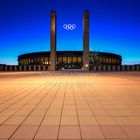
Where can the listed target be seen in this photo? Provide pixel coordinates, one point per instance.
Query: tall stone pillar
(86, 41)
(52, 41)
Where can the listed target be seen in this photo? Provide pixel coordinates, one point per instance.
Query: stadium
(55, 60)
(69, 59)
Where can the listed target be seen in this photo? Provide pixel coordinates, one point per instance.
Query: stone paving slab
(69, 106)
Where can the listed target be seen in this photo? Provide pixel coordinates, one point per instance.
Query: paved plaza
(70, 105)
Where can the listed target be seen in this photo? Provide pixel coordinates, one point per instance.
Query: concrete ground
(70, 106)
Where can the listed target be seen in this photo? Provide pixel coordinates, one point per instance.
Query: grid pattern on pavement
(69, 106)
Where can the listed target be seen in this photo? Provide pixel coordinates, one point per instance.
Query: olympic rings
(69, 26)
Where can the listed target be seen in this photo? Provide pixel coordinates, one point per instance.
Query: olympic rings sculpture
(69, 26)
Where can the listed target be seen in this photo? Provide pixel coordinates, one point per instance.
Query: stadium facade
(69, 59)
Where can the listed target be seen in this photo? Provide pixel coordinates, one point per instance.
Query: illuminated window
(118, 61)
(79, 59)
(112, 60)
(31, 60)
(42, 59)
(46, 60)
(106, 60)
(109, 60)
(69, 59)
(100, 59)
(64, 59)
(34, 60)
(20, 61)
(91, 59)
(59, 59)
(26, 61)
(38, 60)
(115, 61)
(74, 59)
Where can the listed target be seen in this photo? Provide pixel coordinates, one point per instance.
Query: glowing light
(86, 65)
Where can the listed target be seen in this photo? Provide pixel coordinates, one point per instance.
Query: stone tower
(86, 41)
(52, 41)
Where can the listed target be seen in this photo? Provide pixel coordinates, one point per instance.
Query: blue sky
(114, 27)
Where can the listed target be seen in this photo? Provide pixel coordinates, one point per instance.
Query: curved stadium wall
(69, 59)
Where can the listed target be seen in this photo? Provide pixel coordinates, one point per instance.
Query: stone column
(52, 41)
(86, 41)
(44, 68)
(20, 68)
(34, 69)
(113, 68)
(133, 67)
(108, 68)
(128, 67)
(137, 68)
(29, 68)
(5, 68)
(39, 68)
(15, 68)
(104, 68)
(118, 68)
(1, 68)
(10, 67)
(123, 68)
(99, 68)
(25, 68)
